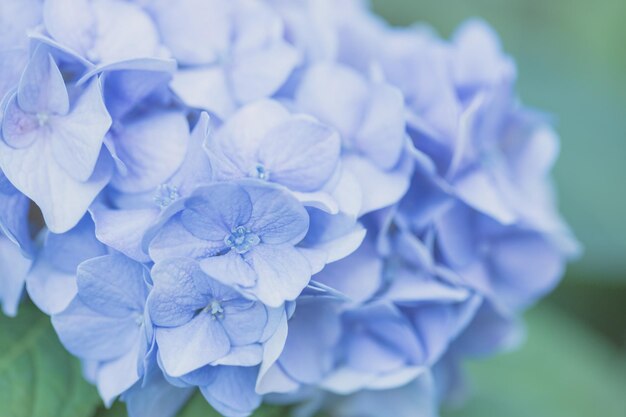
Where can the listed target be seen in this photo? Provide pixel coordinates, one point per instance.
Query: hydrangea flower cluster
(280, 200)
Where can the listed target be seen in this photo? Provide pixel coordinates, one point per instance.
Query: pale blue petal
(71, 23)
(277, 217)
(282, 271)
(232, 392)
(124, 31)
(381, 136)
(195, 344)
(214, 211)
(13, 269)
(41, 88)
(174, 240)
(183, 24)
(14, 208)
(259, 73)
(76, 139)
(230, 269)
(156, 397)
(112, 285)
(314, 330)
(123, 230)
(175, 299)
(152, 147)
(204, 88)
(300, 154)
(336, 95)
(91, 335)
(244, 321)
(116, 376)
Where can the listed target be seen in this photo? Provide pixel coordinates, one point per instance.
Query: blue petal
(175, 298)
(206, 89)
(196, 169)
(259, 73)
(232, 392)
(77, 138)
(126, 83)
(13, 269)
(283, 272)
(277, 217)
(336, 95)
(313, 331)
(116, 376)
(112, 285)
(181, 25)
(71, 23)
(230, 269)
(123, 230)
(41, 88)
(191, 346)
(124, 31)
(156, 398)
(174, 240)
(152, 147)
(91, 335)
(244, 321)
(14, 214)
(300, 154)
(214, 211)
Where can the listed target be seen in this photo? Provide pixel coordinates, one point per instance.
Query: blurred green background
(571, 58)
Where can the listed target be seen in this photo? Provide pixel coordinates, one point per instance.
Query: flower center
(215, 309)
(241, 240)
(165, 195)
(261, 172)
(42, 119)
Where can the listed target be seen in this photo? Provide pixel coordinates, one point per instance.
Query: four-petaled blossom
(242, 234)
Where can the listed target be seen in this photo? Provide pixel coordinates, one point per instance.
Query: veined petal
(41, 88)
(76, 139)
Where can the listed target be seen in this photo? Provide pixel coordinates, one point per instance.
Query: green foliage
(564, 370)
(38, 377)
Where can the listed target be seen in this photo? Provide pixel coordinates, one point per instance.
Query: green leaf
(564, 370)
(38, 377)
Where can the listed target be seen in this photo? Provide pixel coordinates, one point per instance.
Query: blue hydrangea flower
(244, 235)
(105, 322)
(50, 150)
(200, 321)
(262, 140)
(243, 56)
(102, 30)
(370, 118)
